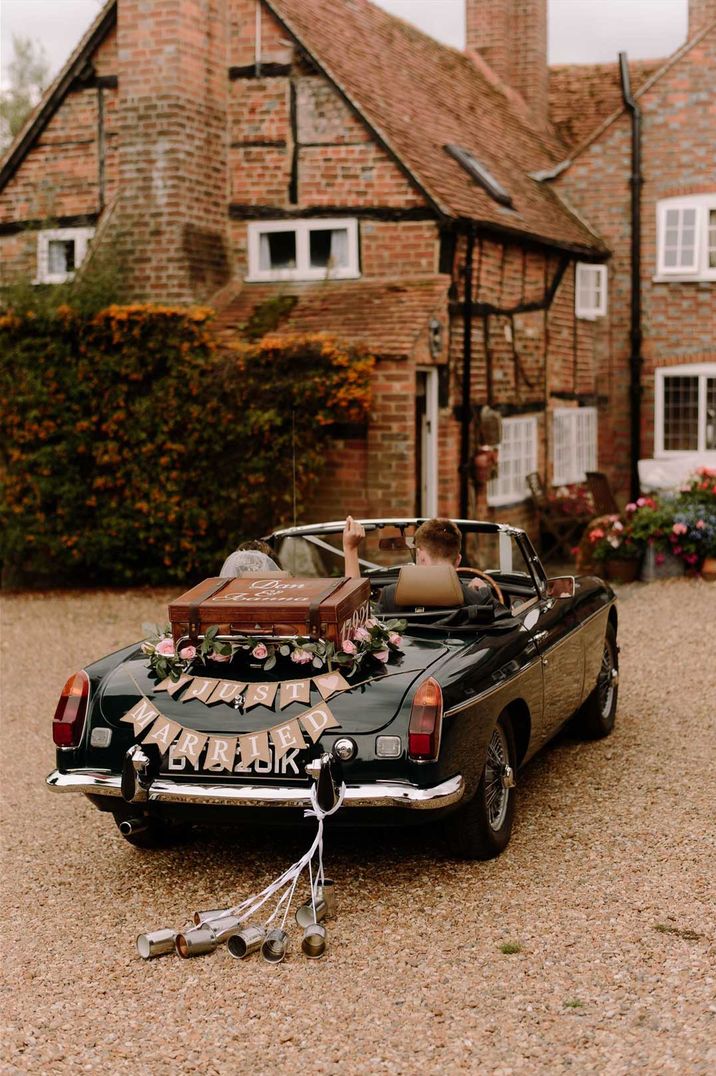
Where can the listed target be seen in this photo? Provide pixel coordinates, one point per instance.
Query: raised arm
(353, 535)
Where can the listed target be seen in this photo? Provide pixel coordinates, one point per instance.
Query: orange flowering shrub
(133, 449)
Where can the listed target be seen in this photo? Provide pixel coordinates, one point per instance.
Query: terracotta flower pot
(622, 571)
(708, 569)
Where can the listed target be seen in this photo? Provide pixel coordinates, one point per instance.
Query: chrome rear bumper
(165, 790)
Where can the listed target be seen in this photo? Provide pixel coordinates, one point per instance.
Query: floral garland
(372, 639)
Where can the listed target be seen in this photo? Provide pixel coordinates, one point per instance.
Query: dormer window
(303, 250)
(60, 251)
(480, 173)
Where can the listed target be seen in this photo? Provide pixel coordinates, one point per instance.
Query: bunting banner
(211, 691)
(228, 751)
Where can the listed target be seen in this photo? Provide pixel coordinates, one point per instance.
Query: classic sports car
(435, 728)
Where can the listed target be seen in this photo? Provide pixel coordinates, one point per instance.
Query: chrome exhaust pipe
(246, 942)
(130, 827)
(156, 943)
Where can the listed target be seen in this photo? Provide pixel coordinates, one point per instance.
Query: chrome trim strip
(164, 790)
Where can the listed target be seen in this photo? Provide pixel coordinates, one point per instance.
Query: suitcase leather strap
(314, 609)
(194, 614)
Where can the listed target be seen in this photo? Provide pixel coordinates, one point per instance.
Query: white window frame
(702, 370)
(574, 444)
(81, 236)
(302, 230)
(518, 433)
(700, 269)
(585, 280)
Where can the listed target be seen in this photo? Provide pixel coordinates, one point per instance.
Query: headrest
(430, 585)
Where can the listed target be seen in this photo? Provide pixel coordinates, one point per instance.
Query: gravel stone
(606, 887)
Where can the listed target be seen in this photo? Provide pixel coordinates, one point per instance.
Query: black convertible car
(432, 728)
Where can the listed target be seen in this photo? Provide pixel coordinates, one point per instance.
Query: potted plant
(614, 547)
(651, 523)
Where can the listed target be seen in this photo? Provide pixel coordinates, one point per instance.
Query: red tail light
(426, 720)
(69, 719)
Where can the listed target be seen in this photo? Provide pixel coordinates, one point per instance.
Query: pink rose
(301, 657)
(641, 502)
(394, 638)
(381, 655)
(349, 647)
(700, 524)
(165, 648)
(216, 656)
(631, 507)
(187, 653)
(259, 652)
(361, 634)
(679, 528)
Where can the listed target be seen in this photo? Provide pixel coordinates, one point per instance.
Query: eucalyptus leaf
(317, 662)
(270, 662)
(284, 650)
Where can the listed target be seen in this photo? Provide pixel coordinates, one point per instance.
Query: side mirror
(562, 586)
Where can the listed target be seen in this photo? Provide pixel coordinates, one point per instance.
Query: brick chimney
(701, 13)
(511, 36)
(172, 126)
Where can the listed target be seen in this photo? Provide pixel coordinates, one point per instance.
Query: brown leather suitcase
(311, 608)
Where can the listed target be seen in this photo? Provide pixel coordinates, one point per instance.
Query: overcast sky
(580, 31)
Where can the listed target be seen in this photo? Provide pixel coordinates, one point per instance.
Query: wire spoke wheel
(605, 680)
(496, 795)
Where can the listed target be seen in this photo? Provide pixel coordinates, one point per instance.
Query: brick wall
(511, 36)
(679, 319)
(172, 146)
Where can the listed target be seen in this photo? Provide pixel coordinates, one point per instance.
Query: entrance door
(426, 441)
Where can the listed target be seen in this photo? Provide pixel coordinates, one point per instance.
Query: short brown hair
(259, 546)
(440, 538)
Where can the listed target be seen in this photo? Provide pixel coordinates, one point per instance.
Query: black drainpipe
(466, 377)
(635, 360)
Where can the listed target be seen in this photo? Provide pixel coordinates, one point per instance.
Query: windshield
(386, 548)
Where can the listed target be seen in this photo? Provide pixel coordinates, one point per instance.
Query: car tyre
(595, 719)
(157, 834)
(482, 828)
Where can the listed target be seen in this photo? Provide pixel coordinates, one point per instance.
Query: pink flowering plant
(372, 639)
(683, 525)
(572, 500)
(165, 660)
(614, 540)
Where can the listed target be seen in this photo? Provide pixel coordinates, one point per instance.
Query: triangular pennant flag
(286, 736)
(225, 691)
(294, 691)
(259, 694)
(190, 745)
(164, 684)
(201, 689)
(177, 685)
(163, 732)
(254, 747)
(220, 753)
(141, 715)
(329, 683)
(317, 720)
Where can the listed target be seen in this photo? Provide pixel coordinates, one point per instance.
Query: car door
(553, 625)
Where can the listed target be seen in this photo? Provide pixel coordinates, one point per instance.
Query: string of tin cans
(207, 930)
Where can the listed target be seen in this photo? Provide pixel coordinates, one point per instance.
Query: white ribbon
(289, 879)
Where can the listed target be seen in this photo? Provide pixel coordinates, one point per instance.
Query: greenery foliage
(133, 449)
(27, 75)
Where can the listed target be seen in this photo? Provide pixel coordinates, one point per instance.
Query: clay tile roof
(387, 316)
(581, 96)
(419, 95)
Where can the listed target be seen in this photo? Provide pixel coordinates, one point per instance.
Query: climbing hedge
(135, 449)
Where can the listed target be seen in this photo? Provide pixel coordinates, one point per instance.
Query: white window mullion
(517, 459)
(302, 258)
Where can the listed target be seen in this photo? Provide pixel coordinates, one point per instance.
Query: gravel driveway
(588, 947)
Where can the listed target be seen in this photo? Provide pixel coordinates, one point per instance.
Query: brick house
(386, 189)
